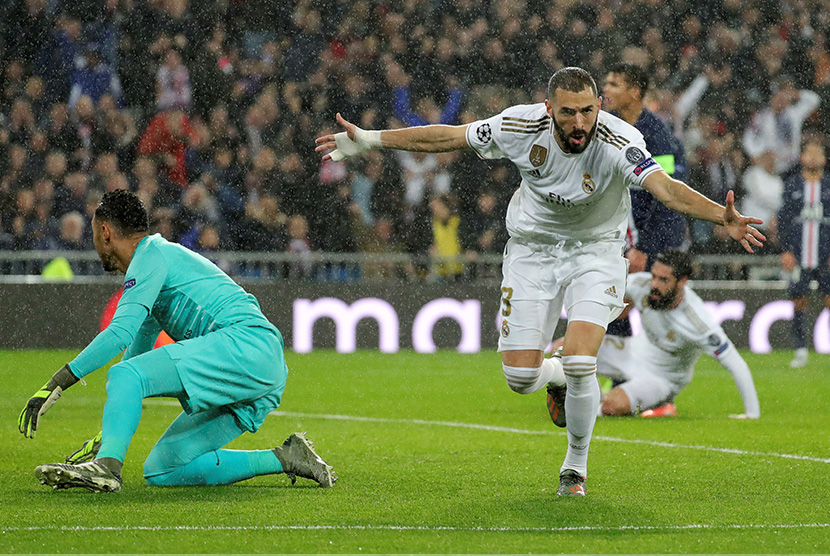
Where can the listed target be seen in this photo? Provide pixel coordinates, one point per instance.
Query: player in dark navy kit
(658, 228)
(654, 227)
(804, 230)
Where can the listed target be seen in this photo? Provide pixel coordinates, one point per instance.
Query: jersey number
(506, 295)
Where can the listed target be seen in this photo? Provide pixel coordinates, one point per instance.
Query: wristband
(370, 138)
(63, 378)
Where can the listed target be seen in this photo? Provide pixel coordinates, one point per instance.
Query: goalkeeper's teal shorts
(240, 367)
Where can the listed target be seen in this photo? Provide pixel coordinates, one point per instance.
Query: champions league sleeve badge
(484, 133)
(634, 155)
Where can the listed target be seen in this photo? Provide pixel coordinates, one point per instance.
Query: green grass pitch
(436, 455)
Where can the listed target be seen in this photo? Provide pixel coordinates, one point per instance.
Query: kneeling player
(652, 367)
(226, 367)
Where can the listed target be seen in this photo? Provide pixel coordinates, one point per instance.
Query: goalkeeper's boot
(91, 476)
(571, 483)
(87, 452)
(556, 398)
(299, 459)
(668, 410)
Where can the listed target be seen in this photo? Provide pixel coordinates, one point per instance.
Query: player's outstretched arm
(736, 365)
(681, 198)
(355, 141)
(739, 226)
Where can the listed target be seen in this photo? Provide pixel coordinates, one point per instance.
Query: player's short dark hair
(571, 79)
(635, 75)
(124, 210)
(680, 262)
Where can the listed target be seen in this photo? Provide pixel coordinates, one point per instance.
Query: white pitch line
(600, 528)
(476, 426)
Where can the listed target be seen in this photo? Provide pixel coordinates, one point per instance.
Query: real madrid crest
(505, 330)
(538, 155)
(588, 185)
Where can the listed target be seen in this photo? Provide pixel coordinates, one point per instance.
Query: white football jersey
(565, 196)
(679, 335)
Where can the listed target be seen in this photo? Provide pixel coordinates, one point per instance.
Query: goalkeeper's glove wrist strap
(63, 378)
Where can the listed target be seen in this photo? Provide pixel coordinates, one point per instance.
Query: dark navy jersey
(658, 227)
(804, 222)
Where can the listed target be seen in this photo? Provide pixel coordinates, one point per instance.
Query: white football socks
(581, 403)
(526, 380)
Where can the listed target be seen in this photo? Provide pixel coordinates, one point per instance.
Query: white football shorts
(628, 360)
(587, 279)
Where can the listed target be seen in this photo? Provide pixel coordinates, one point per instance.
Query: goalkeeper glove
(86, 452)
(43, 399)
(347, 148)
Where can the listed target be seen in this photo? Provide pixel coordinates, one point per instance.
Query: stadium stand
(208, 110)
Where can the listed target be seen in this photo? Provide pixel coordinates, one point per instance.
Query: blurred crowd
(209, 111)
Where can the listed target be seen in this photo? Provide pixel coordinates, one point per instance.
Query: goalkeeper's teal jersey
(187, 294)
(172, 288)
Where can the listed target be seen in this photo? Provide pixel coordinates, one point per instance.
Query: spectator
(90, 132)
(72, 197)
(264, 226)
(779, 125)
(56, 60)
(428, 112)
(303, 55)
(763, 191)
(155, 190)
(19, 173)
(22, 124)
(363, 185)
(299, 244)
(94, 79)
(59, 131)
(446, 244)
(167, 137)
(71, 234)
(715, 176)
(106, 166)
(483, 231)
(197, 209)
(173, 84)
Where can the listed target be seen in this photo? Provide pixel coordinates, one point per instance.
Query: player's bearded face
(663, 300)
(574, 116)
(577, 140)
(103, 247)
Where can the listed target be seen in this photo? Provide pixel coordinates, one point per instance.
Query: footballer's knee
(159, 469)
(522, 368)
(121, 375)
(522, 379)
(616, 403)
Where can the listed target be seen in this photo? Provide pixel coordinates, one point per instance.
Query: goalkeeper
(226, 368)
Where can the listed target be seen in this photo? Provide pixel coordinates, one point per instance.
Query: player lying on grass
(651, 368)
(226, 367)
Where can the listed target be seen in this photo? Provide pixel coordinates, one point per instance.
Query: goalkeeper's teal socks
(122, 412)
(220, 467)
